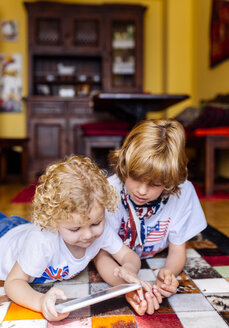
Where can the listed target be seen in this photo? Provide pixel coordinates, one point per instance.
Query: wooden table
(133, 107)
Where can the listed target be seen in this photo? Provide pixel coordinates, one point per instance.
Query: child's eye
(74, 230)
(96, 224)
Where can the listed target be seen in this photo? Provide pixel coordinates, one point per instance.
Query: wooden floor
(217, 212)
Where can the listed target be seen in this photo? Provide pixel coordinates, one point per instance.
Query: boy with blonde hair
(159, 207)
(68, 230)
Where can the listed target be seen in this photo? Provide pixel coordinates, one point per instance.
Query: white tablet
(96, 298)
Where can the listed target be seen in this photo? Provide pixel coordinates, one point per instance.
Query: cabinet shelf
(94, 47)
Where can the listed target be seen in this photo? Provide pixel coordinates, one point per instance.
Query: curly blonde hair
(71, 186)
(153, 152)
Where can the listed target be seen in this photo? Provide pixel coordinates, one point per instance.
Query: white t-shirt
(180, 219)
(44, 255)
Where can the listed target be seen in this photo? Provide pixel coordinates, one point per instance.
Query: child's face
(141, 192)
(74, 233)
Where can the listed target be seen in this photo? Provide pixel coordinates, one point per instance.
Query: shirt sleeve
(36, 254)
(189, 218)
(112, 243)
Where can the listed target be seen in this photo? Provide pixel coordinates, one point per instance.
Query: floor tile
(209, 286)
(156, 263)
(206, 319)
(81, 278)
(127, 321)
(158, 321)
(183, 276)
(219, 301)
(201, 244)
(17, 312)
(198, 268)
(147, 275)
(71, 323)
(223, 271)
(189, 303)
(144, 264)
(190, 252)
(75, 291)
(187, 287)
(217, 260)
(42, 323)
(116, 306)
(2, 291)
(3, 310)
(210, 251)
(98, 287)
(165, 307)
(225, 316)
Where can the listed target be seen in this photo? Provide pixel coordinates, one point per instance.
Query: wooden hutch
(75, 51)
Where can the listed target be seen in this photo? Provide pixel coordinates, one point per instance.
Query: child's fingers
(147, 287)
(140, 294)
(157, 294)
(140, 307)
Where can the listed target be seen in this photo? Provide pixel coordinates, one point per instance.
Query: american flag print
(158, 232)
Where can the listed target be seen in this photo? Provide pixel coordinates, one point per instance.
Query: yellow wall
(176, 53)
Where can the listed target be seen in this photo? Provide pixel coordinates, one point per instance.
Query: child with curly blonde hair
(159, 207)
(68, 230)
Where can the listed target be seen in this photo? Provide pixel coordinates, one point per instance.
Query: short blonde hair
(71, 186)
(153, 152)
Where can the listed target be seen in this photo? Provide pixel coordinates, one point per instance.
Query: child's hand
(166, 282)
(145, 299)
(48, 304)
(148, 305)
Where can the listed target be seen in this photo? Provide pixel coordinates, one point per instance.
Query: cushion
(218, 131)
(210, 117)
(115, 128)
(188, 115)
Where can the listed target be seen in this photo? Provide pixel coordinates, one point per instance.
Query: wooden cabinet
(75, 51)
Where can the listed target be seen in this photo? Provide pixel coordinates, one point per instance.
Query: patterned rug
(202, 300)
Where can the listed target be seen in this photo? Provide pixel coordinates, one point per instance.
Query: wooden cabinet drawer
(48, 108)
(80, 106)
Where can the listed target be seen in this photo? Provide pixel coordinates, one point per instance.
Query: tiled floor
(202, 300)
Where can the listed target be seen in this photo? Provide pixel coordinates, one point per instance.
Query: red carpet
(26, 194)
(218, 194)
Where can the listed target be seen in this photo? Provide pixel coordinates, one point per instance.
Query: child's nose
(142, 188)
(87, 234)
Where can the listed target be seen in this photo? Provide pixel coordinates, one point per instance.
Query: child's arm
(114, 274)
(166, 278)
(18, 290)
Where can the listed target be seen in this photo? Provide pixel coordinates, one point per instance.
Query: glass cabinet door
(123, 51)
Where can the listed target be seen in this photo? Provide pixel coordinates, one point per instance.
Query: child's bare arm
(166, 278)
(106, 265)
(176, 258)
(113, 274)
(18, 290)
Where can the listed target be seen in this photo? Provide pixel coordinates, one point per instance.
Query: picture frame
(219, 37)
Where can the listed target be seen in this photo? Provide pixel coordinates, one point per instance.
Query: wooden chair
(103, 135)
(209, 140)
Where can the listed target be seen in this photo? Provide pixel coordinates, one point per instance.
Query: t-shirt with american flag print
(179, 220)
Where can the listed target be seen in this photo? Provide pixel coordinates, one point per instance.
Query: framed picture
(9, 30)
(10, 83)
(219, 36)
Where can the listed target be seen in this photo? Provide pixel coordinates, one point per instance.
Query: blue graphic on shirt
(51, 273)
